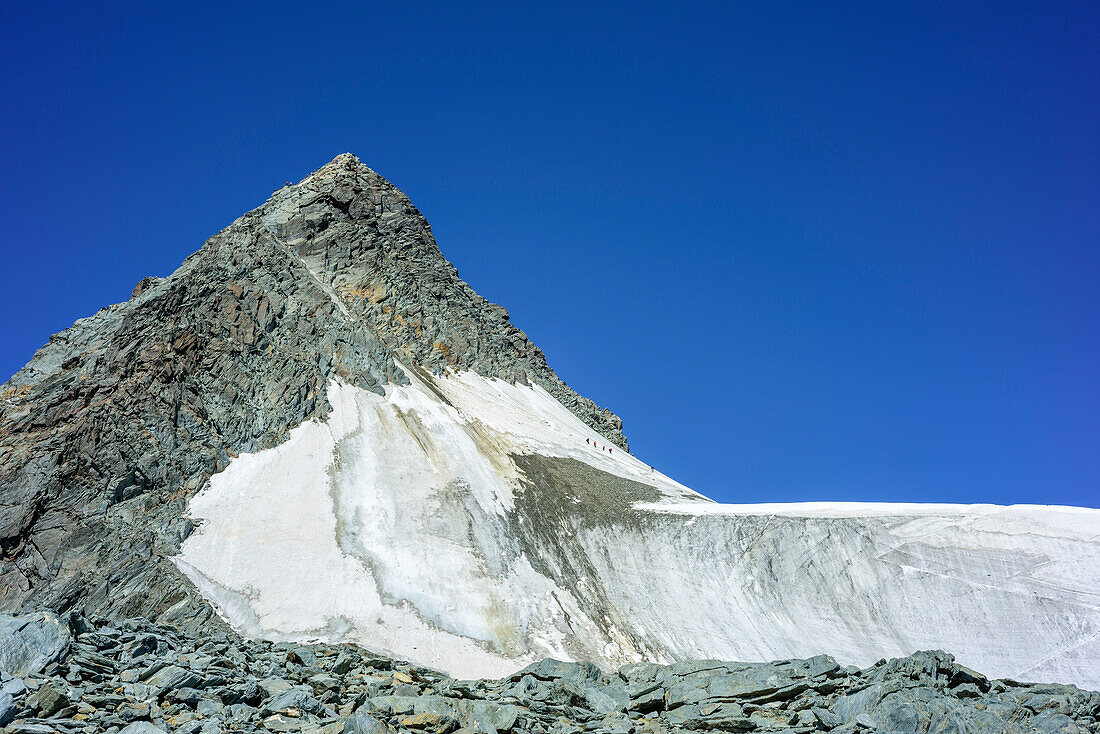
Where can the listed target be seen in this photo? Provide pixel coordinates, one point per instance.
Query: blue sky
(805, 250)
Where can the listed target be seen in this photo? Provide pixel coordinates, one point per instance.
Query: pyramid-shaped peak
(368, 245)
(335, 280)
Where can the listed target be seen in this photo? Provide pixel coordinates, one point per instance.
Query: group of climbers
(595, 445)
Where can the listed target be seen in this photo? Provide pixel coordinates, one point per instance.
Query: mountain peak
(336, 278)
(316, 428)
(370, 249)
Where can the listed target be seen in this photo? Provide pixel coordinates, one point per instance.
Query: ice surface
(395, 524)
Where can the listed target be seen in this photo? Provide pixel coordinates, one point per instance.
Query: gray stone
(296, 698)
(863, 700)
(488, 716)
(361, 723)
(281, 723)
(142, 727)
(47, 700)
(549, 669)
(343, 663)
(270, 687)
(962, 675)
(14, 686)
(866, 721)
(393, 705)
(430, 721)
(190, 696)
(649, 701)
(31, 642)
(922, 693)
(900, 711)
(324, 680)
(606, 699)
(805, 718)
(768, 718)
(8, 709)
(172, 677)
(967, 690)
(617, 723)
(1055, 723)
(723, 716)
(302, 656)
(826, 718)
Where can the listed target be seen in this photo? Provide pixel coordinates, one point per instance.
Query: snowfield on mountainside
(393, 525)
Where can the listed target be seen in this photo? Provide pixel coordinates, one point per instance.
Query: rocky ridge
(120, 419)
(76, 676)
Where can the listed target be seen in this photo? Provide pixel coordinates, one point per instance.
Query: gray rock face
(118, 420)
(97, 687)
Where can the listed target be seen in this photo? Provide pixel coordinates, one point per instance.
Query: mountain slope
(317, 428)
(116, 421)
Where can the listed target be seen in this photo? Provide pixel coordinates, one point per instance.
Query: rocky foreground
(73, 675)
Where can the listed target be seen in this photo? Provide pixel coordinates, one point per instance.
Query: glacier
(474, 525)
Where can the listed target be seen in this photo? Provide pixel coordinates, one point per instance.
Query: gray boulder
(47, 700)
(7, 708)
(271, 687)
(362, 723)
(31, 642)
(295, 698)
(173, 677)
(142, 727)
(550, 669)
(487, 716)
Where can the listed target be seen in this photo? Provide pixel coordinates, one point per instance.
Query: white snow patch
(387, 523)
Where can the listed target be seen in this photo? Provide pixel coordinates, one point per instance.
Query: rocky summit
(134, 677)
(314, 435)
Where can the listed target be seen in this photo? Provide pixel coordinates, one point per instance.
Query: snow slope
(475, 525)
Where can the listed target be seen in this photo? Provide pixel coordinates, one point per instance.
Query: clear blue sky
(806, 252)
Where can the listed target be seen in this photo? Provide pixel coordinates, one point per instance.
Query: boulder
(8, 708)
(142, 727)
(29, 643)
(47, 700)
(361, 723)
